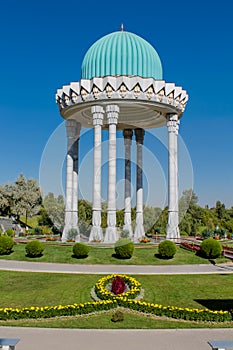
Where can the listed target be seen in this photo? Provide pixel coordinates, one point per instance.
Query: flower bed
(110, 301)
(190, 314)
(103, 292)
(190, 246)
(56, 311)
(145, 240)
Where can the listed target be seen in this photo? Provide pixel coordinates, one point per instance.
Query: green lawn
(24, 289)
(31, 289)
(99, 255)
(103, 321)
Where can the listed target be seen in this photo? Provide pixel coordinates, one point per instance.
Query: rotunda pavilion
(121, 88)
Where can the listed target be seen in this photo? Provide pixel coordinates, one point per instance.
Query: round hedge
(124, 248)
(6, 245)
(167, 249)
(210, 248)
(80, 250)
(34, 249)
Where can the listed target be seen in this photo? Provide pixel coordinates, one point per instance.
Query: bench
(8, 343)
(221, 345)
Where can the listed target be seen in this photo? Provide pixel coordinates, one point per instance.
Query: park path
(93, 339)
(109, 269)
(97, 339)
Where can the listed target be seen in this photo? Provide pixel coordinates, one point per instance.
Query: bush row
(124, 247)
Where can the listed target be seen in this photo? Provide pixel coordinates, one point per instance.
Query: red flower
(118, 285)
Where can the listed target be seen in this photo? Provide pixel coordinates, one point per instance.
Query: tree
(6, 200)
(161, 223)
(120, 218)
(220, 210)
(85, 216)
(26, 197)
(187, 201)
(55, 209)
(21, 198)
(150, 217)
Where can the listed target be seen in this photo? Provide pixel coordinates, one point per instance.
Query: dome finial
(122, 27)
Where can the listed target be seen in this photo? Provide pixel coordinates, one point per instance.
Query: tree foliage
(53, 211)
(23, 197)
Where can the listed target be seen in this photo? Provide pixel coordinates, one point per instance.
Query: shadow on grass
(118, 257)
(79, 257)
(7, 253)
(158, 256)
(34, 256)
(216, 304)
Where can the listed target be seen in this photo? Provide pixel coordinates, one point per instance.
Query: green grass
(141, 256)
(32, 221)
(24, 289)
(30, 289)
(103, 321)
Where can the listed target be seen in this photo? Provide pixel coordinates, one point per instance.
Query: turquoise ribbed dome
(121, 53)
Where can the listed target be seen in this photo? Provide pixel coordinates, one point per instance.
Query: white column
(139, 229)
(96, 231)
(75, 147)
(111, 231)
(128, 133)
(70, 219)
(173, 208)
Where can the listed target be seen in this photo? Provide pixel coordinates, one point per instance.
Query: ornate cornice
(122, 88)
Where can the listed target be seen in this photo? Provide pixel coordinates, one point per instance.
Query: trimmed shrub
(167, 249)
(6, 245)
(10, 232)
(210, 248)
(124, 248)
(34, 249)
(80, 250)
(118, 316)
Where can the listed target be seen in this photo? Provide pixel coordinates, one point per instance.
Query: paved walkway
(108, 269)
(69, 339)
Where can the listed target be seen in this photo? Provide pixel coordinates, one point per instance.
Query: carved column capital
(173, 123)
(128, 134)
(73, 129)
(112, 113)
(139, 134)
(98, 115)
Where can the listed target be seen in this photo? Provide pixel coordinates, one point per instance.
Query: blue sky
(42, 47)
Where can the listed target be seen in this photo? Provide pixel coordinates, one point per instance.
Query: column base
(111, 235)
(70, 233)
(96, 234)
(173, 232)
(128, 227)
(139, 229)
(138, 233)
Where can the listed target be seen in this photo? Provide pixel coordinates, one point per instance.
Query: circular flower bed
(103, 288)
